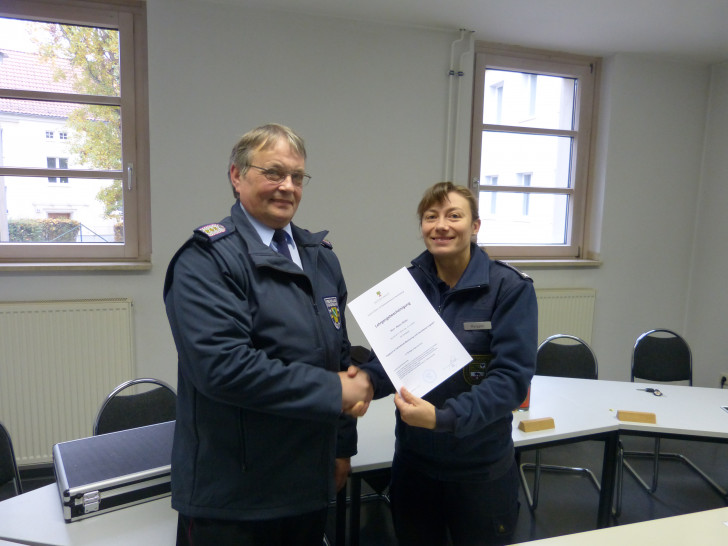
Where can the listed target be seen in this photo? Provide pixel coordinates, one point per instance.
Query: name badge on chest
(481, 325)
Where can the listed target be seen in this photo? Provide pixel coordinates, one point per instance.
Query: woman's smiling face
(448, 227)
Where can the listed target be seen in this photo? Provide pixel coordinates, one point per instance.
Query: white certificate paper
(414, 345)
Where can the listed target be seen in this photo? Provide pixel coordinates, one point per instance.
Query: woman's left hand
(415, 411)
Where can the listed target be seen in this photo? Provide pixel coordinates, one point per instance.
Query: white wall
(708, 296)
(370, 100)
(649, 151)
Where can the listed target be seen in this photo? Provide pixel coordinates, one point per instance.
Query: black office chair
(560, 355)
(122, 411)
(660, 356)
(8, 464)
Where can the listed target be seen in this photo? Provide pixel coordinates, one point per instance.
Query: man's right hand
(356, 391)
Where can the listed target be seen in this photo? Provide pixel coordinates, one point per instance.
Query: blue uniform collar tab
(476, 274)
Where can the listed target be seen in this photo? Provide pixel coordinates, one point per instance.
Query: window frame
(586, 70)
(129, 18)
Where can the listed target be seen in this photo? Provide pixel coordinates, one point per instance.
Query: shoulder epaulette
(327, 244)
(509, 266)
(212, 232)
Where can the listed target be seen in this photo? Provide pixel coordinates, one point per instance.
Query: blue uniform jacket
(493, 313)
(259, 402)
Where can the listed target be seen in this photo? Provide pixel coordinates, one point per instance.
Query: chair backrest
(122, 411)
(662, 355)
(8, 463)
(564, 355)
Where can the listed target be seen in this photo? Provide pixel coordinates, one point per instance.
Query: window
(57, 163)
(530, 150)
(76, 71)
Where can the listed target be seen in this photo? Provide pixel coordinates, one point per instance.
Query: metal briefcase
(110, 471)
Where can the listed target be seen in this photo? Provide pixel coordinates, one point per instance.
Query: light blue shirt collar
(266, 235)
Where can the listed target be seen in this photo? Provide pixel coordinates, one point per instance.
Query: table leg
(609, 469)
(341, 517)
(354, 513)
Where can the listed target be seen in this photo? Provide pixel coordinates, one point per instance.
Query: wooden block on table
(532, 425)
(637, 416)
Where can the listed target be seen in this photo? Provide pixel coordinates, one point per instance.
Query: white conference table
(36, 518)
(582, 410)
(707, 528)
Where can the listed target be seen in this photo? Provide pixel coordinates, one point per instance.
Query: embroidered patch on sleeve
(332, 304)
(212, 229)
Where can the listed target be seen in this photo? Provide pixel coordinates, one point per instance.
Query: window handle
(129, 176)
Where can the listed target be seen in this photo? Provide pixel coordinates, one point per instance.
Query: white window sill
(551, 263)
(74, 266)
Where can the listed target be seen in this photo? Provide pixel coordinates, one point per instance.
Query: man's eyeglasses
(277, 176)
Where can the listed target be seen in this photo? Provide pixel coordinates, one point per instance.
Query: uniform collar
(264, 232)
(476, 274)
(244, 223)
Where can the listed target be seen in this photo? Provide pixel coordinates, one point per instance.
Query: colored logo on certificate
(332, 304)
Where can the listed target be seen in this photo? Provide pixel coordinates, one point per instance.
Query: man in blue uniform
(256, 307)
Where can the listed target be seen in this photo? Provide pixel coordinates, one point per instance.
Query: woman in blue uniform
(454, 470)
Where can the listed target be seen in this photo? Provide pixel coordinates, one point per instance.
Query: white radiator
(565, 311)
(58, 361)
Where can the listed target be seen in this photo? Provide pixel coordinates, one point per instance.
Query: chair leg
(531, 498)
(656, 456)
(682, 458)
(617, 509)
(537, 467)
(573, 470)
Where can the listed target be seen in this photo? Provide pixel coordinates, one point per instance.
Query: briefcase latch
(91, 502)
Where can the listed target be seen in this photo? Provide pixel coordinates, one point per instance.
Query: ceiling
(686, 30)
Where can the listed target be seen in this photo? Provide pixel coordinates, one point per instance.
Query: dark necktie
(282, 243)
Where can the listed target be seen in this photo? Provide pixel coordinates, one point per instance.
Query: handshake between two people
(357, 391)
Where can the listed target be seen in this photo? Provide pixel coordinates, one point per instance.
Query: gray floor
(568, 503)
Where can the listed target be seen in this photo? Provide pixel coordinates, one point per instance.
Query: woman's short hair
(262, 138)
(438, 193)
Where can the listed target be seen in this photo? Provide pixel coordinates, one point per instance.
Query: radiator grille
(58, 361)
(566, 311)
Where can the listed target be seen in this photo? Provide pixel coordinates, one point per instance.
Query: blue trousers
(473, 512)
(303, 530)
